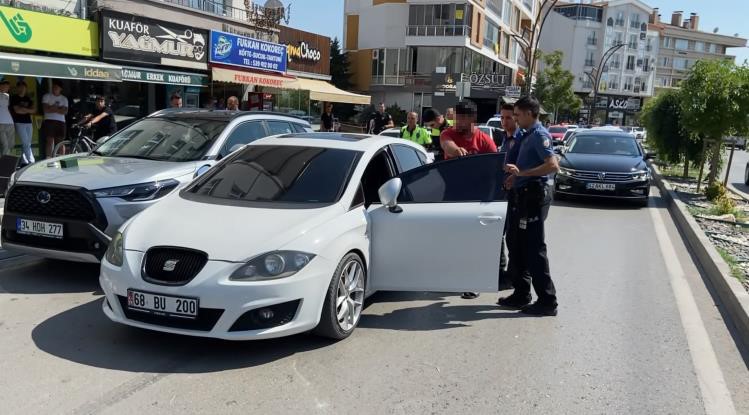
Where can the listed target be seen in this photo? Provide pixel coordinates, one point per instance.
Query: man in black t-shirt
(102, 120)
(21, 109)
(326, 119)
(380, 120)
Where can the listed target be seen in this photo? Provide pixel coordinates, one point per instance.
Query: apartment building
(585, 33)
(414, 52)
(682, 44)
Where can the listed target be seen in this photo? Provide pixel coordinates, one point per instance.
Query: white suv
(69, 207)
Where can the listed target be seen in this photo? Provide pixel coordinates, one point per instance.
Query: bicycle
(80, 143)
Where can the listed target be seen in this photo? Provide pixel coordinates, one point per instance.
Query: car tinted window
(594, 144)
(467, 179)
(244, 133)
(285, 174)
(298, 128)
(407, 157)
(557, 130)
(165, 139)
(279, 127)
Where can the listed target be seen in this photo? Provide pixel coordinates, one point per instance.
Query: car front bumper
(627, 190)
(222, 303)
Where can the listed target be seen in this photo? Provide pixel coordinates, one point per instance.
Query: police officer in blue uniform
(529, 165)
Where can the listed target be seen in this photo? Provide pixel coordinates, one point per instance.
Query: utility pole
(529, 40)
(595, 76)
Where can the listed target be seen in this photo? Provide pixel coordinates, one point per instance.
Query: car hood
(95, 172)
(224, 232)
(602, 162)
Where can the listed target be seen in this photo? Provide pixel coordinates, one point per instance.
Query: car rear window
(280, 174)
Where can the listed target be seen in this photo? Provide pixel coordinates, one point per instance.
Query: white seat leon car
(290, 234)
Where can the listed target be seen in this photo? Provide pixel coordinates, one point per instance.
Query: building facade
(619, 29)
(413, 53)
(682, 44)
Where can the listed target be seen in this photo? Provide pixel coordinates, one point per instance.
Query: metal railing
(437, 30)
(216, 7)
(632, 45)
(398, 80)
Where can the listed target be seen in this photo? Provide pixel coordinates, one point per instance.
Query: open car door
(445, 233)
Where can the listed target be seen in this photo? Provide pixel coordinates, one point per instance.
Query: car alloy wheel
(350, 297)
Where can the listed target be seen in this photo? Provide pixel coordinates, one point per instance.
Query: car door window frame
(401, 169)
(392, 167)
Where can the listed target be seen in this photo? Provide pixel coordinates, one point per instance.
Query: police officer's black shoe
(514, 301)
(469, 295)
(540, 309)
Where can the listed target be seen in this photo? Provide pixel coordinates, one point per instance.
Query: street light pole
(595, 75)
(530, 45)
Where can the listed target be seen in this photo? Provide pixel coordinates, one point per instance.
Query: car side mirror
(202, 170)
(389, 194)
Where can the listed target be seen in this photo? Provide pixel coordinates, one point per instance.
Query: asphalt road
(738, 169)
(620, 344)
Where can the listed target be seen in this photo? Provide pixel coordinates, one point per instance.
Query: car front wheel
(344, 300)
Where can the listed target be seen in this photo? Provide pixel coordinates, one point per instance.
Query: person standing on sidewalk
(508, 140)
(327, 119)
(232, 104)
(380, 120)
(7, 130)
(530, 172)
(22, 107)
(55, 107)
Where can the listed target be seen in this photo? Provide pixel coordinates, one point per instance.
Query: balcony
(434, 30)
(394, 80)
(632, 45)
(591, 41)
(218, 8)
(589, 62)
(60, 8)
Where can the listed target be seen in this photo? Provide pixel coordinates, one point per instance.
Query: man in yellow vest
(450, 117)
(411, 131)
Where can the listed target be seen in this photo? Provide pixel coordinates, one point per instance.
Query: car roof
(220, 115)
(602, 132)
(343, 141)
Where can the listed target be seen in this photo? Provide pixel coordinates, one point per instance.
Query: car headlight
(566, 172)
(139, 192)
(273, 265)
(115, 254)
(641, 176)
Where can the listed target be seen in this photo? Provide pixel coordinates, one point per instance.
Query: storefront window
(491, 37)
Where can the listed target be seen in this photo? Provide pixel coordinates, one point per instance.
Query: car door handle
(487, 219)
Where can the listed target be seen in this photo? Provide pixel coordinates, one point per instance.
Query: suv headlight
(115, 254)
(641, 176)
(566, 172)
(273, 265)
(139, 192)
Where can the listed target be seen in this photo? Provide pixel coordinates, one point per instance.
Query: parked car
(494, 122)
(641, 134)
(739, 142)
(69, 207)
(602, 163)
(557, 134)
(392, 132)
(302, 228)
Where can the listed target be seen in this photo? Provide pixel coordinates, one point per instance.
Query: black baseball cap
(466, 108)
(431, 115)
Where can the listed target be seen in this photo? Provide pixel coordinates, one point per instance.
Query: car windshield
(282, 174)
(594, 144)
(557, 130)
(164, 139)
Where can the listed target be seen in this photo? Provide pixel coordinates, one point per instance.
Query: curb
(731, 293)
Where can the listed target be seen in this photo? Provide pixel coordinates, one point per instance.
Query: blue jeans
(25, 131)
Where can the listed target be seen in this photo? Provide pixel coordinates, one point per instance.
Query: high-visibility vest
(451, 123)
(419, 135)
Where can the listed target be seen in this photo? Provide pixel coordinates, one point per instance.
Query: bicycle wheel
(61, 148)
(82, 146)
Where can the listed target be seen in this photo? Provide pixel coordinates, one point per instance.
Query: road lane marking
(715, 394)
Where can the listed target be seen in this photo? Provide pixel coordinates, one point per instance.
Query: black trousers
(529, 264)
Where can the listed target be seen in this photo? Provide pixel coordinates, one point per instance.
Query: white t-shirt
(53, 100)
(5, 117)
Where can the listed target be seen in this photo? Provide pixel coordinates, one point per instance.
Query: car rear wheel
(344, 300)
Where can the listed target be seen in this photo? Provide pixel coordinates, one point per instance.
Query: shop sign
(162, 77)
(230, 49)
(303, 51)
(54, 69)
(512, 91)
(623, 103)
(46, 32)
(485, 80)
(249, 78)
(140, 39)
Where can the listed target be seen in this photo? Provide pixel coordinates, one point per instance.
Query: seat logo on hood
(43, 197)
(170, 265)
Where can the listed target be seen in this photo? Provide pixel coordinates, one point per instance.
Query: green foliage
(399, 115)
(553, 87)
(666, 133)
(715, 191)
(340, 71)
(725, 205)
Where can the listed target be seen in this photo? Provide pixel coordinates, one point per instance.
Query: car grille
(603, 176)
(61, 202)
(172, 266)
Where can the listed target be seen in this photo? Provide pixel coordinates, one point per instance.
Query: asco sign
(231, 49)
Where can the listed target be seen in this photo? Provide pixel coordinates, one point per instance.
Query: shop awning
(324, 91)
(253, 78)
(52, 67)
(156, 76)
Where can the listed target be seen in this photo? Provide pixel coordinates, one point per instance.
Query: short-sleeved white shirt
(5, 117)
(51, 99)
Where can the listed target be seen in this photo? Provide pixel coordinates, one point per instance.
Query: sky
(730, 16)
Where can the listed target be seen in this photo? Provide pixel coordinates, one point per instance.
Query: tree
(339, 66)
(554, 86)
(714, 104)
(662, 117)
